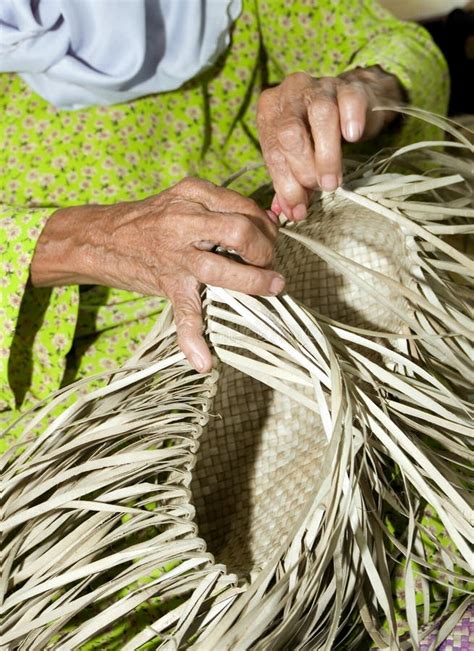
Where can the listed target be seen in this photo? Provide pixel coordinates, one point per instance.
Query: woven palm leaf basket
(271, 503)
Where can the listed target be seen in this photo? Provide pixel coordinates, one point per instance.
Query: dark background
(454, 35)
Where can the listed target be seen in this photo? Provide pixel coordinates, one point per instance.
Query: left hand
(303, 120)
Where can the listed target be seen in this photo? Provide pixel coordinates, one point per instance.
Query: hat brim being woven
(249, 506)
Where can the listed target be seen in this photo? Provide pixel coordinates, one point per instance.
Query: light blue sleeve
(77, 53)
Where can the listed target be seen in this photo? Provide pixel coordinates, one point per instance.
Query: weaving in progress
(281, 500)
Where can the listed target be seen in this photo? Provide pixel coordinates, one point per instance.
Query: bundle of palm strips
(271, 503)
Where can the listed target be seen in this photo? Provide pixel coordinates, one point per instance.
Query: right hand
(162, 246)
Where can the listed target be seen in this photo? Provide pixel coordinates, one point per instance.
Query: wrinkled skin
(163, 245)
(303, 121)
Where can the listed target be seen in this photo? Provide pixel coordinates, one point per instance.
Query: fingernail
(329, 182)
(277, 285)
(276, 208)
(299, 212)
(272, 216)
(353, 131)
(197, 362)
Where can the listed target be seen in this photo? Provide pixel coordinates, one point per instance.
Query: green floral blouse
(53, 158)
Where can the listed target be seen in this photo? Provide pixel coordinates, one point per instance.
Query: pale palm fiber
(254, 502)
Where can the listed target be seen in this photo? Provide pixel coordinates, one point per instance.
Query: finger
(223, 200)
(215, 269)
(186, 300)
(323, 115)
(237, 233)
(299, 212)
(273, 217)
(288, 188)
(276, 207)
(292, 196)
(294, 137)
(279, 206)
(226, 201)
(353, 106)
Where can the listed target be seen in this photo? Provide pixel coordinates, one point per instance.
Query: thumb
(186, 301)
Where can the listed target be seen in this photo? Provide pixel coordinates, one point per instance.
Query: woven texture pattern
(269, 504)
(260, 462)
(461, 639)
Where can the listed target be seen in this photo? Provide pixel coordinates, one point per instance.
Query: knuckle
(322, 93)
(253, 207)
(206, 268)
(289, 189)
(355, 85)
(153, 201)
(308, 177)
(190, 185)
(229, 200)
(323, 109)
(354, 97)
(291, 134)
(248, 206)
(266, 96)
(186, 184)
(328, 84)
(183, 319)
(185, 322)
(241, 231)
(298, 79)
(258, 283)
(265, 104)
(362, 98)
(275, 158)
(186, 328)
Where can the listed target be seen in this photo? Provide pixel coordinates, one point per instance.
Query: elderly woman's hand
(302, 122)
(162, 246)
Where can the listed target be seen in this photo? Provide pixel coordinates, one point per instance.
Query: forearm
(66, 249)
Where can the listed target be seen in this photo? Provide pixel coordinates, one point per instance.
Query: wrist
(64, 252)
